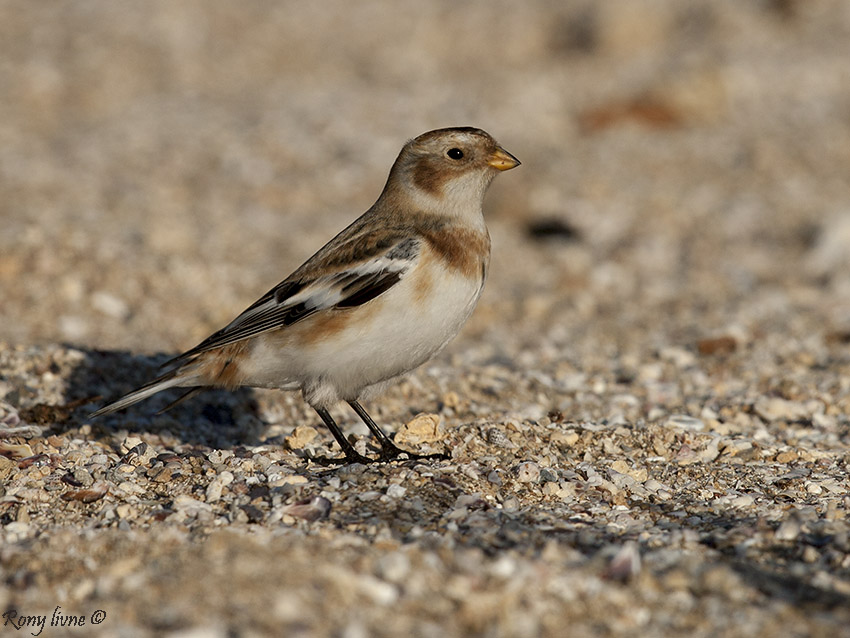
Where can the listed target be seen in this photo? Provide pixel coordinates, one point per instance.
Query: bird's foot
(356, 457)
(348, 459)
(387, 455)
(391, 452)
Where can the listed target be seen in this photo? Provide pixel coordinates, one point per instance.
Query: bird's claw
(392, 452)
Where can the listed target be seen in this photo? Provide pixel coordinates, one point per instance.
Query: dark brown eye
(455, 153)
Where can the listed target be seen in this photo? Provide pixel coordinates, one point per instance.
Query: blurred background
(669, 298)
(685, 163)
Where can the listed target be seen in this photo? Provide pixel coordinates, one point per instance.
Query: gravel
(647, 418)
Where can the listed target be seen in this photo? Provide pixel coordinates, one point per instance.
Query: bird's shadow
(213, 418)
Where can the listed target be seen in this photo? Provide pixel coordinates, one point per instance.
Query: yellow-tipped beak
(501, 160)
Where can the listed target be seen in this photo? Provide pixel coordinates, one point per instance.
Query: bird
(378, 300)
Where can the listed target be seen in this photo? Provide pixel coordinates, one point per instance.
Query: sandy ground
(648, 414)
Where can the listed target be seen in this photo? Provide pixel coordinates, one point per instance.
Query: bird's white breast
(384, 338)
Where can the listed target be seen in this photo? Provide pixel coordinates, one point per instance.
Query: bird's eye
(455, 153)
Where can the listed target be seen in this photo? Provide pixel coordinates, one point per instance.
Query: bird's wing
(385, 257)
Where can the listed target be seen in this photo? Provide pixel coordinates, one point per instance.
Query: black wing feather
(356, 288)
(369, 288)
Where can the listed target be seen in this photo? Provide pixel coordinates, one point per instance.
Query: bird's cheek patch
(428, 177)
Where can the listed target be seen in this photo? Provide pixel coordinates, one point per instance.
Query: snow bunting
(378, 300)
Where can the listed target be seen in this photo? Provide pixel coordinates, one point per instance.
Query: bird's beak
(501, 160)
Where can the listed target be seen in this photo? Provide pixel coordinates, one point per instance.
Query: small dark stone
(134, 452)
(258, 491)
(70, 480)
(841, 337)
(547, 228)
(577, 32)
(37, 460)
(724, 344)
(556, 416)
(254, 514)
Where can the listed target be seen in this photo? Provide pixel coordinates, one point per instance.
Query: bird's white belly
(384, 338)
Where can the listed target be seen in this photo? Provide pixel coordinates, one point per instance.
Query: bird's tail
(171, 379)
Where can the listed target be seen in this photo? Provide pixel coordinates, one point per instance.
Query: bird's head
(447, 171)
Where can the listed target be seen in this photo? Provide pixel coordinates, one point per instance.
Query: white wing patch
(292, 301)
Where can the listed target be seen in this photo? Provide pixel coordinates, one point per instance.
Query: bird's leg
(377, 432)
(389, 450)
(351, 455)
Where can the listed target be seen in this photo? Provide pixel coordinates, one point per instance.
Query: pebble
(566, 439)
(734, 447)
(160, 474)
(301, 437)
(313, 509)
(130, 443)
(394, 567)
(125, 511)
(109, 305)
(190, 506)
(788, 530)
(396, 491)
(551, 489)
(351, 472)
(638, 474)
(654, 486)
(15, 450)
(776, 409)
(88, 495)
(813, 488)
(527, 472)
(378, 591)
(497, 437)
(217, 485)
(128, 487)
(7, 467)
(548, 475)
(294, 479)
(217, 457)
(423, 428)
(16, 531)
(786, 457)
(738, 501)
(685, 422)
(625, 564)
